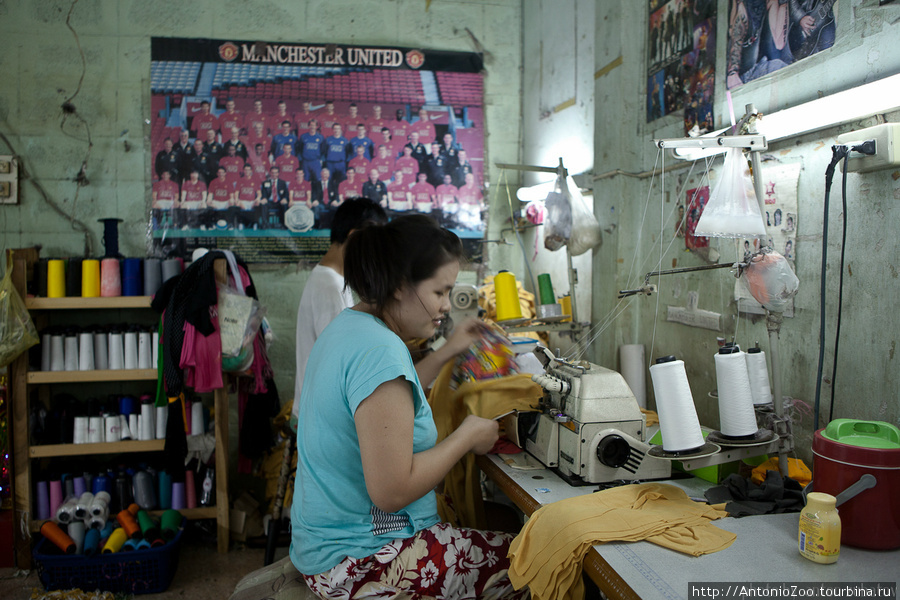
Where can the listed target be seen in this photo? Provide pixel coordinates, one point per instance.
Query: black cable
(838, 153)
(837, 333)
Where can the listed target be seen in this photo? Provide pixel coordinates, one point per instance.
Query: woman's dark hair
(355, 213)
(380, 259)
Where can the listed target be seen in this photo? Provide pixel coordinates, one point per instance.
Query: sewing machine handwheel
(613, 451)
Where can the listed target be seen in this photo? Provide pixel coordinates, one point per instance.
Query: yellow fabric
(797, 470)
(650, 416)
(547, 554)
(270, 466)
(488, 399)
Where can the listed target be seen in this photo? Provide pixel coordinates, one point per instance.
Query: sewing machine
(590, 428)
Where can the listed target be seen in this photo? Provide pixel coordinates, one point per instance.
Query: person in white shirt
(324, 295)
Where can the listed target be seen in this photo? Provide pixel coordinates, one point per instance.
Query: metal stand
(749, 139)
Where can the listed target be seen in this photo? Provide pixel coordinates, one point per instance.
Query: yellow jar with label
(819, 536)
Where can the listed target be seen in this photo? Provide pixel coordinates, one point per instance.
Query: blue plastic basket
(136, 572)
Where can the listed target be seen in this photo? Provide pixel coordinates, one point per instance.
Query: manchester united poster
(255, 144)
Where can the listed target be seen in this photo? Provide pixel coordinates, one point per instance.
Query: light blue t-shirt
(332, 516)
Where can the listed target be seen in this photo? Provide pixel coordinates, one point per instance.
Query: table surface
(765, 549)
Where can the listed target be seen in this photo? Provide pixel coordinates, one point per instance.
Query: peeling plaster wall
(42, 67)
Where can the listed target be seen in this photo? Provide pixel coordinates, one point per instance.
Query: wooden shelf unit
(23, 452)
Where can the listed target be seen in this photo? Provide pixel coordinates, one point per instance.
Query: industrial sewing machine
(590, 428)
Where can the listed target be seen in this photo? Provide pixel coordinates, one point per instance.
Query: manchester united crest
(415, 59)
(228, 51)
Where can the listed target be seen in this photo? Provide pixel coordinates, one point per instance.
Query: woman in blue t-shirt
(364, 515)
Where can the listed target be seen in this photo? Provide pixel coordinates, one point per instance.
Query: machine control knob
(551, 384)
(613, 451)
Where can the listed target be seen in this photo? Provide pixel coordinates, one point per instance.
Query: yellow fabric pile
(488, 399)
(547, 555)
(797, 470)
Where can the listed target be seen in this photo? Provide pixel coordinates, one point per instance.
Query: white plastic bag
(732, 210)
(771, 281)
(570, 220)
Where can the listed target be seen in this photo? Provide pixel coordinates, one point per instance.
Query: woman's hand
(465, 334)
(484, 433)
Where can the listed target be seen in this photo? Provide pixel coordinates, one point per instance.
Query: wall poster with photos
(764, 37)
(681, 61)
(256, 144)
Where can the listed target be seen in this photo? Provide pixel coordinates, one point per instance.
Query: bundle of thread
(130, 530)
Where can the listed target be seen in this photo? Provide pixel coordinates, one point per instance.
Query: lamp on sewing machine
(590, 428)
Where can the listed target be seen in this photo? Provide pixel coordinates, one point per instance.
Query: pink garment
(201, 357)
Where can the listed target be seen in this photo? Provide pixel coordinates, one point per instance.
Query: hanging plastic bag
(585, 228)
(240, 318)
(17, 332)
(732, 210)
(771, 281)
(569, 221)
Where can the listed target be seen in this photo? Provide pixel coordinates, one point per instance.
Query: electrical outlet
(9, 180)
(887, 148)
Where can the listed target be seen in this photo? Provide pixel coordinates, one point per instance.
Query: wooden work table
(765, 549)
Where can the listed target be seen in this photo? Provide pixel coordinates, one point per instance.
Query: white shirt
(322, 300)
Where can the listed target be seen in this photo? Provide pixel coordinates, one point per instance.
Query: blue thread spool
(132, 279)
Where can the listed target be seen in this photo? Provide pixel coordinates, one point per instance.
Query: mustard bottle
(819, 536)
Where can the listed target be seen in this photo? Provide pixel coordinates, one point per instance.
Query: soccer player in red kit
(383, 163)
(254, 117)
(247, 197)
(394, 147)
(232, 163)
(204, 122)
(445, 201)
(359, 163)
(165, 200)
(422, 194)
(219, 199)
(230, 119)
(280, 116)
(445, 194)
(376, 122)
(287, 163)
(303, 117)
(300, 190)
(193, 200)
(352, 119)
(350, 187)
(260, 162)
(329, 118)
(256, 136)
(470, 204)
(220, 191)
(407, 165)
(399, 197)
(424, 127)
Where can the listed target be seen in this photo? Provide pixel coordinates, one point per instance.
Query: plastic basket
(136, 572)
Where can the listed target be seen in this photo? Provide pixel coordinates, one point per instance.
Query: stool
(278, 581)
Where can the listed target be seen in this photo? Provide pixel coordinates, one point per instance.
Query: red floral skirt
(439, 562)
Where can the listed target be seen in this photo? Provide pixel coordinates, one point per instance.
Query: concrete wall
(558, 123)
(866, 384)
(107, 135)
